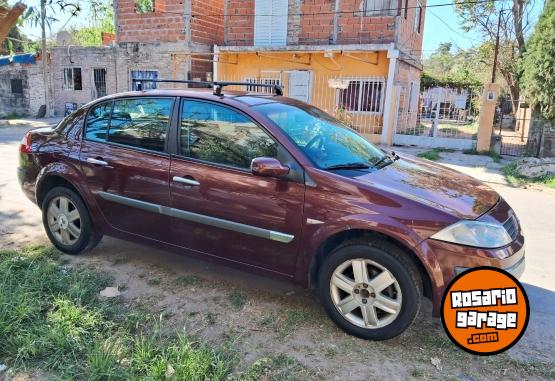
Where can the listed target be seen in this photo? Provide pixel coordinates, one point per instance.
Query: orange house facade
(359, 60)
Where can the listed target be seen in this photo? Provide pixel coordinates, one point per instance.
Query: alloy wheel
(64, 220)
(365, 293)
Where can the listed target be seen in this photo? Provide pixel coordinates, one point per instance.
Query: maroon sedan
(272, 185)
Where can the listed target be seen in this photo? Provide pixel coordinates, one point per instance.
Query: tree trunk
(518, 14)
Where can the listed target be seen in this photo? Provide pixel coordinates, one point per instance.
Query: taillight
(26, 144)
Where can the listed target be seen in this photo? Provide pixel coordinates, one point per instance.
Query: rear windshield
(324, 139)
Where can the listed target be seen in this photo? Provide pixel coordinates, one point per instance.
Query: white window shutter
(270, 22)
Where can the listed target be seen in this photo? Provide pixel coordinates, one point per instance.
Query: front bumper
(515, 270)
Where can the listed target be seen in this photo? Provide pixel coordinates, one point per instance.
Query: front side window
(221, 135)
(72, 79)
(326, 141)
(362, 96)
(140, 122)
(98, 121)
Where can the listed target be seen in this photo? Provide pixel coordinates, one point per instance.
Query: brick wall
(356, 27)
(407, 39)
(27, 103)
(311, 22)
(240, 22)
(85, 58)
(207, 23)
(316, 22)
(165, 24)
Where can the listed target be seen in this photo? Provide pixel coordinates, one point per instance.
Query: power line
(450, 28)
(357, 11)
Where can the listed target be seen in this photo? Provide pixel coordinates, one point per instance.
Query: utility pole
(496, 52)
(44, 58)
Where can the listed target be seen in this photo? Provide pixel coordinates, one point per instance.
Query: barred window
(262, 81)
(362, 96)
(72, 79)
(17, 86)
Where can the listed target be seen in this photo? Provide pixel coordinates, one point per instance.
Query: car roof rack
(216, 85)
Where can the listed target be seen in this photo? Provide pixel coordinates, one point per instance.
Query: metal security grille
(99, 83)
(263, 81)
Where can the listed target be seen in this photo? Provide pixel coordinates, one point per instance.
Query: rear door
(125, 163)
(220, 207)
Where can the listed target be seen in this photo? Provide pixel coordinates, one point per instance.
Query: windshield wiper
(393, 157)
(348, 166)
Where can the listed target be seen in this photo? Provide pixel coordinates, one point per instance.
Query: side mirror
(269, 167)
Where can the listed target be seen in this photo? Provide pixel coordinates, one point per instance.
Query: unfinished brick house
(357, 59)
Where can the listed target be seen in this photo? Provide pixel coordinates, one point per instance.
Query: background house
(351, 58)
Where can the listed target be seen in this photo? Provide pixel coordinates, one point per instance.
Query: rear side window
(98, 121)
(221, 135)
(140, 122)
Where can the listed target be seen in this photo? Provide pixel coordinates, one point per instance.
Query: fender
(72, 175)
(389, 227)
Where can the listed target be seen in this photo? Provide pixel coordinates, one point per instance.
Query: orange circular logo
(485, 310)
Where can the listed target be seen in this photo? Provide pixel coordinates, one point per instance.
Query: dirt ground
(266, 318)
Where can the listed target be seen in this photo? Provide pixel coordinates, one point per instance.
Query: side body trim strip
(199, 218)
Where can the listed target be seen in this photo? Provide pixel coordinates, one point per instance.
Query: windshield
(325, 140)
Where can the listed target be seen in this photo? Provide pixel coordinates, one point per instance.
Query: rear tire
(370, 289)
(67, 222)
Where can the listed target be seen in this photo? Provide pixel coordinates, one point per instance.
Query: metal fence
(438, 112)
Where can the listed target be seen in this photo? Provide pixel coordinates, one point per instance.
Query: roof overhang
(352, 48)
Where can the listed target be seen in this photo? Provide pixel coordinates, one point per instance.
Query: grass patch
(434, 153)
(494, 155)
(188, 280)
(516, 179)
(53, 320)
(286, 323)
(153, 281)
(237, 299)
(277, 368)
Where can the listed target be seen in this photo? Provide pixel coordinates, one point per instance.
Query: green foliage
(516, 179)
(237, 299)
(494, 155)
(461, 69)
(52, 319)
(144, 6)
(538, 64)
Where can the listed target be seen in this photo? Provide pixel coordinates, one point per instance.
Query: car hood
(439, 187)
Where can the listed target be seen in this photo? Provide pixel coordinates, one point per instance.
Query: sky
(441, 25)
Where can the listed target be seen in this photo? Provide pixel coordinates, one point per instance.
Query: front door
(299, 85)
(220, 208)
(125, 164)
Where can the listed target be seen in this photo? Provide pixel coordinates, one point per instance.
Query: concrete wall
(170, 60)
(28, 103)
(86, 58)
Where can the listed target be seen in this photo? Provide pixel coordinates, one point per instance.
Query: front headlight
(475, 233)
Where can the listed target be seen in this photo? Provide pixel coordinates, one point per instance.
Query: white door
(299, 85)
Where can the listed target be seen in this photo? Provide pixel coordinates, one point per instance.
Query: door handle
(184, 180)
(97, 162)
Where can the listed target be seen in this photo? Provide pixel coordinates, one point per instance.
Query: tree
(457, 66)
(538, 64)
(508, 19)
(102, 21)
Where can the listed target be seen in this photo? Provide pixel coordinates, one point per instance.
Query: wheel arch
(49, 182)
(333, 241)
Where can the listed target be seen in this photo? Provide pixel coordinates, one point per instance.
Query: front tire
(370, 289)
(67, 221)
